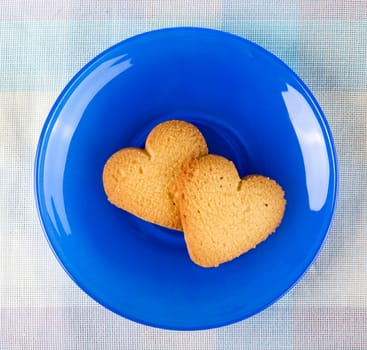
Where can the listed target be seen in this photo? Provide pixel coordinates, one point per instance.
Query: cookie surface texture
(224, 216)
(143, 181)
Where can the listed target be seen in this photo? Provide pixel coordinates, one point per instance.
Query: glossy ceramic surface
(251, 108)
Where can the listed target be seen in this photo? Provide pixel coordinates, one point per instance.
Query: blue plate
(251, 108)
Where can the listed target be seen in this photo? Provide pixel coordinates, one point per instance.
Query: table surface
(44, 43)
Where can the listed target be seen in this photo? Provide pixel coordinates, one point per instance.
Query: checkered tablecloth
(42, 45)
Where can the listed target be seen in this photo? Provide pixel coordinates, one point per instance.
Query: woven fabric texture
(43, 43)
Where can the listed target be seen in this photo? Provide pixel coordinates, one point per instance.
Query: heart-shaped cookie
(143, 181)
(224, 216)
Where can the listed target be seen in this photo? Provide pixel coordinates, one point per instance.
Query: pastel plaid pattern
(43, 43)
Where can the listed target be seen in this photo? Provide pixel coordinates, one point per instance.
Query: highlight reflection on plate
(250, 107)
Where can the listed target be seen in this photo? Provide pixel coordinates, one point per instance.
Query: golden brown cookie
(143, 181)
(224, 216)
